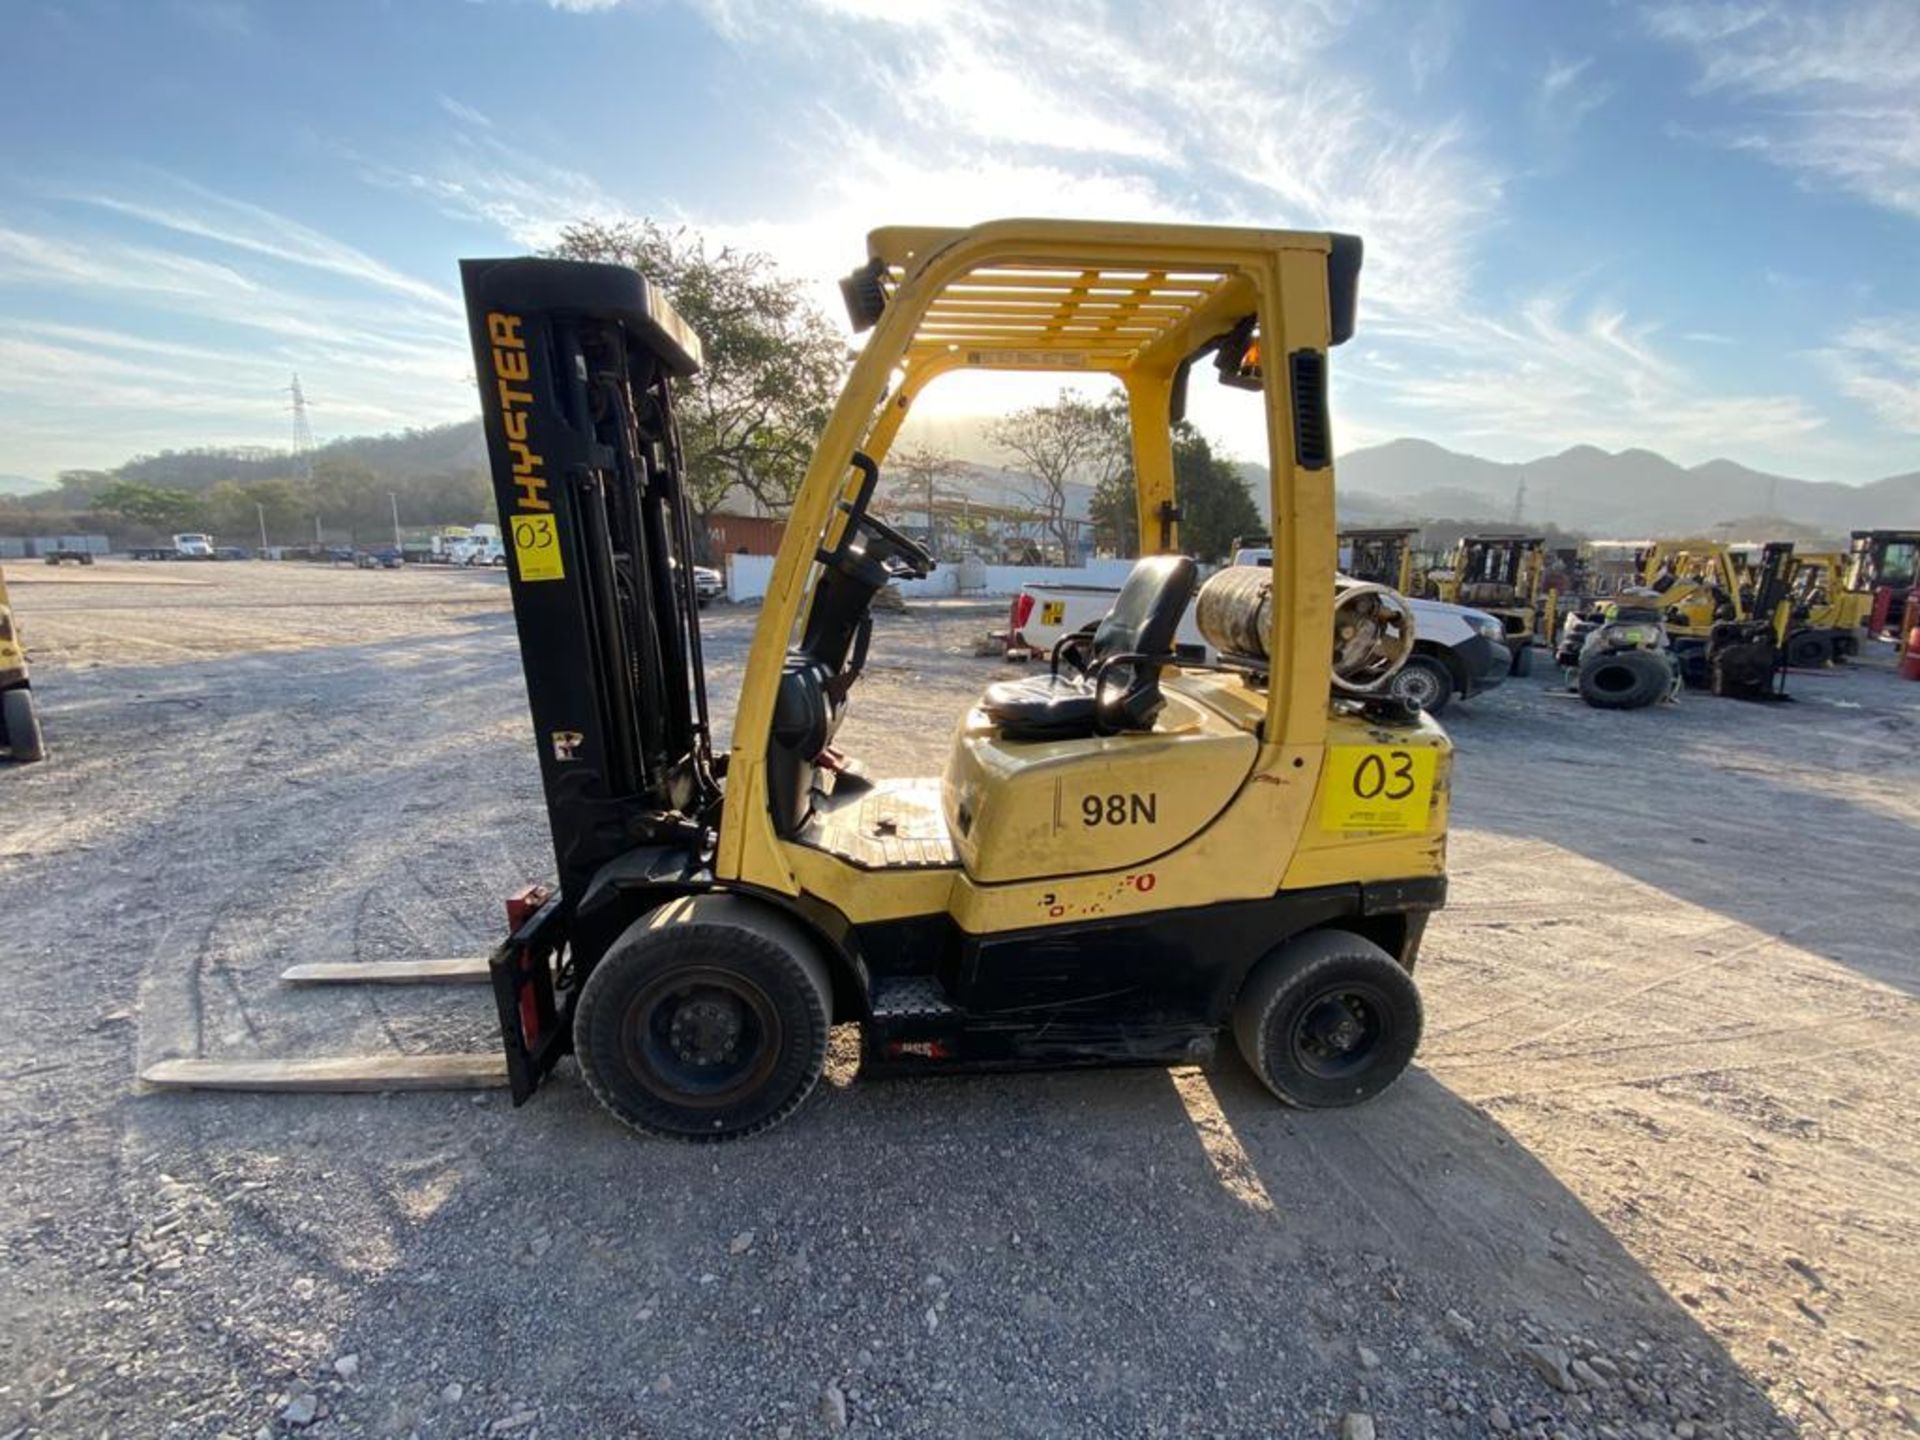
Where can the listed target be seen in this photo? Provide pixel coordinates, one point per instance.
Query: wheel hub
(705, 1031)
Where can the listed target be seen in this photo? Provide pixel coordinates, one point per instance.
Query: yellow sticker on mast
(536, 540)
(1377, 787)
(536, 548)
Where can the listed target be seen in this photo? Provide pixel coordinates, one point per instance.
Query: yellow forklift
(1126, 857)
(19, 718)
(1380, 556)
(1503, 575)
(1703, 583)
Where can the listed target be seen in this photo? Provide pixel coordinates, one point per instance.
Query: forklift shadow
(1335, 1227)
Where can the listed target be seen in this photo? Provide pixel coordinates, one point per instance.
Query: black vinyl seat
(1118, 685)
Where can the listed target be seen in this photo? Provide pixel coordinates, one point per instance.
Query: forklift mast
(1773, 586)
(575, 363)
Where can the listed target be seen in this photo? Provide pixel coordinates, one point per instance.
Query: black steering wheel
(898, 556)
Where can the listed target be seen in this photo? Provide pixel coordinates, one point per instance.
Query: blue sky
(1689, 226)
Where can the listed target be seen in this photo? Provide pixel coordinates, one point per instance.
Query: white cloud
(481, 178)
(163, 348)
(1831, 91)
(1568, 94)
(242, 225)
(1877, 362)
(1559, 374)
(464, 112)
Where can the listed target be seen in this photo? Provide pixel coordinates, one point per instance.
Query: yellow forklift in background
(1706, 582)
(1379, 556)
(1503, 575)
(19, 717)
(1125, 858)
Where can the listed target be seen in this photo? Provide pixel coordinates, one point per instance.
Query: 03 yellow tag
(1377, 787)
(536, 548)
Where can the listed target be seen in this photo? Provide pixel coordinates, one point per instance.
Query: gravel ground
(1654, 1174)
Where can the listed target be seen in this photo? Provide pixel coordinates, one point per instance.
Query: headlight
(1490, 627)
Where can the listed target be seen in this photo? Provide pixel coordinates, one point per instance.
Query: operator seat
(1119, 689)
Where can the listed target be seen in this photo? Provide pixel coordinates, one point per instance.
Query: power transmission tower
(1520, 501)
(302, 432)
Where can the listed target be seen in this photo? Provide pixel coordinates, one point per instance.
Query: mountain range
(1623, 493)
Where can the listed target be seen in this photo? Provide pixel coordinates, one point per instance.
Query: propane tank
(1372, 625)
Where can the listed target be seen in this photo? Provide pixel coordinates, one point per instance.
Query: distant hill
(1626, 492)
(435, 450)
(19, 485)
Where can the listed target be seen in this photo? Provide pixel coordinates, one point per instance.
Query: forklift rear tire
(1328, 1019)
(1808, 650)
(706, 1021)
(20, 725)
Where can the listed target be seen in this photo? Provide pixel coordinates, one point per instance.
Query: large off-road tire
(1521, 667)
(1328, 1019)
(1624, 679)
(20, 726)
(1424, 683)
(706, 1021)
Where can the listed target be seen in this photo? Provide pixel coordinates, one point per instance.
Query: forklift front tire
(20, 725)
(706, 1021)
(1328, 1019)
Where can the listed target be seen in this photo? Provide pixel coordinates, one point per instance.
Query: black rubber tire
(1808, 650)
(1624, 679)
(723, 941)
(1423, 682)
(20, 726)
(1291, 987)
(1522, 664)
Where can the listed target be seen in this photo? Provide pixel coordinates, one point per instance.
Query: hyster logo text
(510, 373)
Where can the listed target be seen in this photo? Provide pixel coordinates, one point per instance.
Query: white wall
(749, 575)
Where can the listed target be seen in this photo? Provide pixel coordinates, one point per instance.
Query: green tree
(1215, 504)
(348, 493)
(155, 506)
(1071, 441)
(773, 364)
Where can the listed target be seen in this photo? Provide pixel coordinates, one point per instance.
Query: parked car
(708, 583)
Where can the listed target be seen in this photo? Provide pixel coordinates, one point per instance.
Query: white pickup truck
(1456, 652)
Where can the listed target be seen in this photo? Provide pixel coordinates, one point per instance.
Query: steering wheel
(899, 557)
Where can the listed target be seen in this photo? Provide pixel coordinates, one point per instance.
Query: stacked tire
(1625, 679)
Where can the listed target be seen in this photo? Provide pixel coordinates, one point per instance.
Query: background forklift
(1125, 857)
(1704, 583)
(1381, 556)
(1883, 566)
(19, 718)
(1502, 575)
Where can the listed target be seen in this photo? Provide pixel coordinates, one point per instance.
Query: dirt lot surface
(1654, 1174)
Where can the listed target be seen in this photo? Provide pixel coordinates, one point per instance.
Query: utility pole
(261, 511)
(396, 518)
(316, 531)
(302, 432)
(933, 542)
